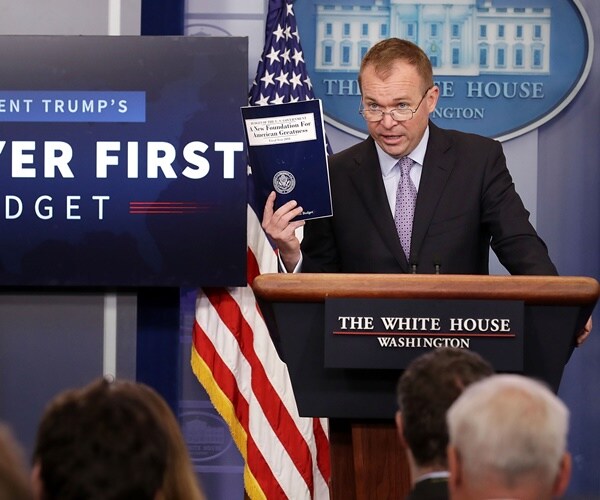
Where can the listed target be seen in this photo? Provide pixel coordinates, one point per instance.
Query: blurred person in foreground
(180, 481)
(508, 436)
(100, 442)
(425, 391)
(14, 478)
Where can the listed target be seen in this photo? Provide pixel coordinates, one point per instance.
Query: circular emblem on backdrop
(500, 71)
(284, 182)
(206, 435)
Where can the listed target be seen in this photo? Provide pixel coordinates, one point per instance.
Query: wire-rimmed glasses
(397, 114)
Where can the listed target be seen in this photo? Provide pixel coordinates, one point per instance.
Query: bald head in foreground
(508, 437)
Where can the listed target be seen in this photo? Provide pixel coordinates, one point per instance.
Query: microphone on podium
(413, 267)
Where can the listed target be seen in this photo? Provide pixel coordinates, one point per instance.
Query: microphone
(413, 267)
(437, 264)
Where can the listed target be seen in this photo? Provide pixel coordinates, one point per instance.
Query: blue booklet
(287, 153)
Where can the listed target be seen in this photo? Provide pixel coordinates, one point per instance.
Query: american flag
(233, 356)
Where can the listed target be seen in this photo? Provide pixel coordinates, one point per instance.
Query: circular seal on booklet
(284, 182)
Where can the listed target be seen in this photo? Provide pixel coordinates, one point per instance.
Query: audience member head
(508, 438)
(425, 391)
(180, 481)
(14, 479)
(99, 442)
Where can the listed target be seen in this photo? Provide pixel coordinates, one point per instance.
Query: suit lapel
(366, 176)
(437, 166)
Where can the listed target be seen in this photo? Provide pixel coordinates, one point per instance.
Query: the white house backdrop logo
(503, 67)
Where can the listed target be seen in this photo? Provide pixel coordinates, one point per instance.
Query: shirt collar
(442, 474)
(387, 162)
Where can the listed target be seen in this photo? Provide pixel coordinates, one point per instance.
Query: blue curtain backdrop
(569, 220)
(162, 17)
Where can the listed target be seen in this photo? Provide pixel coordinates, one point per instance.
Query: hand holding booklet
(287, 153)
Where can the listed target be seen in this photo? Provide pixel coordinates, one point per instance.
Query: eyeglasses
(397, 114)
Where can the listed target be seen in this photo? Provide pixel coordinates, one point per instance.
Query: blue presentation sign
(121, 161)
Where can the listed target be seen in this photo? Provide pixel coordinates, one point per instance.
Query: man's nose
(388, 121)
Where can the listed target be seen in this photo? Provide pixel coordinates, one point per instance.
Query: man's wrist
(290, 265)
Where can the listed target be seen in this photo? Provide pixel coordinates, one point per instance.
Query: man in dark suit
(465, 196)
(425, 391)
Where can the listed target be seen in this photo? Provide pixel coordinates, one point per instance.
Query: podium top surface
(539, 290)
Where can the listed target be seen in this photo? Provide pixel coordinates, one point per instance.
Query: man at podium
(411, 197)
(465, 196)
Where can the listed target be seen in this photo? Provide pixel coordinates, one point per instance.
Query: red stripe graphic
(167, 207)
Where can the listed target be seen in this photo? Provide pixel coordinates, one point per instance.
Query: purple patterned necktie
(406, 197)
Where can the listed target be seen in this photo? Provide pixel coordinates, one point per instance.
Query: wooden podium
(367, 461)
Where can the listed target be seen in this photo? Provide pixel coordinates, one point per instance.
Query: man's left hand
(585, 332)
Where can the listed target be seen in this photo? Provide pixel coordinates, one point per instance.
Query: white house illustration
(462, 37)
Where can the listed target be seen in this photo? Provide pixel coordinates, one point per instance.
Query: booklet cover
(287, 153)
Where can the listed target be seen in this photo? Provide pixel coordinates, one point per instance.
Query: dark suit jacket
(430, 489)
(466, 202)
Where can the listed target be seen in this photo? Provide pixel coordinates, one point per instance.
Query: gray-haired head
(509, 428)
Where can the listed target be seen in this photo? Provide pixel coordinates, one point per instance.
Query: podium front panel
(298, 332)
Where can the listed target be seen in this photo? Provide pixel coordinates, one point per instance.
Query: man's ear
(400, 428)
(432, 98)
(563, 476)
(454, 467)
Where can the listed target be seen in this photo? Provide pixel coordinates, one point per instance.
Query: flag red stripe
(252, 270)
(267, 481)
(273, 408)
(322, 442)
